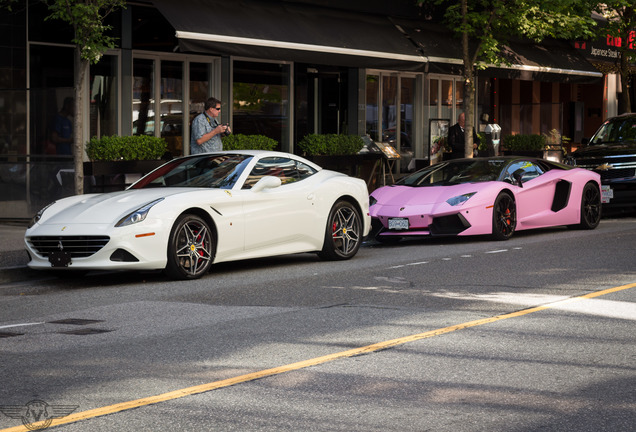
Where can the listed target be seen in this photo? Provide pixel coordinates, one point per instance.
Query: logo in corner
(37, 414)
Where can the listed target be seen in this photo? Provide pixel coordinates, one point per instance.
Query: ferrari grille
(78, 246)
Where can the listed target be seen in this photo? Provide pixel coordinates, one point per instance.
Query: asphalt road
(536, 333)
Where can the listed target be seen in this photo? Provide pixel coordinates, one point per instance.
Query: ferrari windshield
(617, 130)
(455, 172)
(206, 171)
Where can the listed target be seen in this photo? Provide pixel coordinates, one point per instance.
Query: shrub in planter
(330, 144)
(248, 142)
(520, 142)
(128, 148)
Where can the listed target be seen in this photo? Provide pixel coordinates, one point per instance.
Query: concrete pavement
(13, 256)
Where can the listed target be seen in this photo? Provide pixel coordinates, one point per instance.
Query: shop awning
(288, 31)
(548, 60)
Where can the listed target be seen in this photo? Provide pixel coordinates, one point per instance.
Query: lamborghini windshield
(455, 172)
(207, 171)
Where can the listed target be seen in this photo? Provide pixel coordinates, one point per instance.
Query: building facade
(283, 69)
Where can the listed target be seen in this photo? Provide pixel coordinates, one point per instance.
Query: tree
(484, 26)
(621, 26)
(91, 41)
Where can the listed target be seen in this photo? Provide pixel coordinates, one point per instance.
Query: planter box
(110, 176)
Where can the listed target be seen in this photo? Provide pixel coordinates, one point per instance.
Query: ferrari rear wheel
(190, 248)
(343, 234)
(590, 207)
(504, 217)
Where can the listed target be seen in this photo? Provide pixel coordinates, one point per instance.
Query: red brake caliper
(334, 229)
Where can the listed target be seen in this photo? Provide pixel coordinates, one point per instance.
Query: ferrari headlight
(460, 199)
(138, 215)
(38, 215)
(372, 201)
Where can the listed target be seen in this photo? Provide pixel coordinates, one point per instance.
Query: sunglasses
(217, 108)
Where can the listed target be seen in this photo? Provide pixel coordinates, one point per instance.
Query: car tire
(343, 233)
(504, 217)
(191, 248)
(590, 207)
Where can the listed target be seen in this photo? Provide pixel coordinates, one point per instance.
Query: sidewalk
(13, 256)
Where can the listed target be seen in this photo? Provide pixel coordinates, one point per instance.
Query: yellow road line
(188, 391)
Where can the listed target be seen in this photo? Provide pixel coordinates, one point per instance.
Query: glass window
(199, 88)
(447, 101)
(104, 97)
(261, 100)
(143, 97)
(372, 95)
(172, 106)
(51, 92)
(389, 109)
(288, 170)
(526, 169)
(433, 99)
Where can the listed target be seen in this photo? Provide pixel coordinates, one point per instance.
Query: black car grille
(78, 246)
(615, 174)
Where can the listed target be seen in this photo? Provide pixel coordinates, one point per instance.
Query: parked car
(611, 152)
(198, 210)
(495, 196)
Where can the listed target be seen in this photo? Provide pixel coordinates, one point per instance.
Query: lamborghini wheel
(590, 207)
(190, 249)
(504, 217)
(343, 234)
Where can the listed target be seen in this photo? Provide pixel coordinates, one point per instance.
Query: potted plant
(248, 142)
(525, 145)
(334, 152)
(116, 161)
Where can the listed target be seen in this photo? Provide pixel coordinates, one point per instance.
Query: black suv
(611, 152)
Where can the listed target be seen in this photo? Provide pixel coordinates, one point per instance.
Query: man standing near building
(456, 138)
(206, 130)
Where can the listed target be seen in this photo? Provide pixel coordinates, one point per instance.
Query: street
(444, 334)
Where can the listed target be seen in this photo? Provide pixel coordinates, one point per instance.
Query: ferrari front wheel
(343, 234)
(504, 217)
(190, 248)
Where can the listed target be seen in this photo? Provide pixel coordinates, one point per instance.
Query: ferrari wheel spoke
(193, 249)
(345, 230)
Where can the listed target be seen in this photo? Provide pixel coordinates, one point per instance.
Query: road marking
(497, 251)
(20, 325)
(189, 391)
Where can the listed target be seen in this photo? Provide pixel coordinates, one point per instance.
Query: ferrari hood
(106, 208)
(407, 195)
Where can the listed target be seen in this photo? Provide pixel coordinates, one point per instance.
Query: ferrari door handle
(311, 196)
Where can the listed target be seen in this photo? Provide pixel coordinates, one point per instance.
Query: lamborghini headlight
(138, 215)
(372, 201)
(460, 199)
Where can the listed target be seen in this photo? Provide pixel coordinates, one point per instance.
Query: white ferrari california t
(198, 210)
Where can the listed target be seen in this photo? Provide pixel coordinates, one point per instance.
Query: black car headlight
(35, 219)
(138, 215)
(460, 199)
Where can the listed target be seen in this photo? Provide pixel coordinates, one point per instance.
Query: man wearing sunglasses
(206, 130)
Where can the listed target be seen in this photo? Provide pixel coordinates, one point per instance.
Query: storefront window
(261, 100)
(372, 94)
(199, 89)
(143, 97)
(447, 101)
(104, 98)
(172, 106)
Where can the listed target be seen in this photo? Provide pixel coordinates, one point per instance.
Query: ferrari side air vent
(77, 246)
(449, 225)
(561, 195)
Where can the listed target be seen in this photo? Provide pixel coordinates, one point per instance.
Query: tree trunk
(80, 67)
(469, 88)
